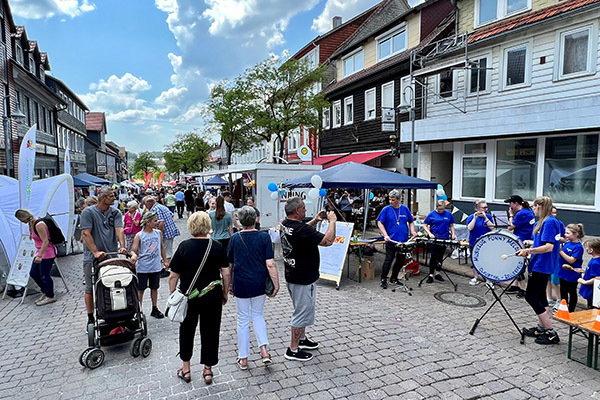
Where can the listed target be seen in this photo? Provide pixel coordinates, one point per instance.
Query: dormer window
(353, 62)
(31, 63)
(19, 53)
(391, 42)
(491, 10)
(42, 72)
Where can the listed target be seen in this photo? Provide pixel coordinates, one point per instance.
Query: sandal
(267, 360)
(243, 367)
(208, 376)
(184, 376)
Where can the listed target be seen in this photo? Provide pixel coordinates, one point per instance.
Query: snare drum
(487, 256)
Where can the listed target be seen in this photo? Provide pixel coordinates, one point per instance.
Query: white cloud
(39, 9)
(347, 9)
(115, 94)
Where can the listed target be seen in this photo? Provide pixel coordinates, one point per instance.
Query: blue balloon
(272, 187)
(323, 192)
(371, 195)
(444, 197)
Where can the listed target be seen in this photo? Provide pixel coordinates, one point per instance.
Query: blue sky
(149, 64)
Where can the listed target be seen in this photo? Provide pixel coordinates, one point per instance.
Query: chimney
(336, 21)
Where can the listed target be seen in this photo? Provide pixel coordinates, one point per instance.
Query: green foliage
(188, 153)
(144, 162)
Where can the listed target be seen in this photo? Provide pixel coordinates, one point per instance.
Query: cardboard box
(368, 268)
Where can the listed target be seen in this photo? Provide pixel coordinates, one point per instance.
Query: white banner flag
(26, 163)
(67, 161)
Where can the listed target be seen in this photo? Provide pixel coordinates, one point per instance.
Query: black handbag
(269, 286)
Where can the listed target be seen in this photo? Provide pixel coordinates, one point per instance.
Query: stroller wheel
(145, 347)
(134, 347)
(91, 335)
(83, 355)
(94, 358)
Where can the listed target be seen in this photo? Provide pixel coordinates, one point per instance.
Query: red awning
(327, 159)
(359, 158)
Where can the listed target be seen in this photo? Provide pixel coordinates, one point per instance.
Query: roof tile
(94, 121)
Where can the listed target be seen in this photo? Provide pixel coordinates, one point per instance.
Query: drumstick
(505, 256)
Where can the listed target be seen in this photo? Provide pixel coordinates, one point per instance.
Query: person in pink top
(44, 258)
(132, 223)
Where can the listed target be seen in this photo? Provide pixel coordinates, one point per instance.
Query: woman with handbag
(255, 276)
(190, 272)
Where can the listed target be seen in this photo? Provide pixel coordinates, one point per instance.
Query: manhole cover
(460, 299)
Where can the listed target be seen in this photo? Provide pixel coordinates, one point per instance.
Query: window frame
(488, 76)
(373, 92)
(501, 12)
(383, 86)
(463, 155)
(390, 35)
(591, 52)
(348, 117)
(454, 91)
(528, 65)
(352, 55)
(326, 111)
(336, 104)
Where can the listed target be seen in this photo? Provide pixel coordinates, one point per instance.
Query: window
(478, 76)
(575, 52)
(19, 53)
(348, 110)
(387, 95)
(326, 118)
(370, 104)
(312, 58)
(517, 62)
(337, 114)
(474, 167)
(491, 10)
(391, 42)
(446, 83)
(570, 169)
(516, 168)
(353, 63)
(37, 113)
(409, 95)
(31, 63)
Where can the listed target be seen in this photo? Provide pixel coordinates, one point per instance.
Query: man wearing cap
(167, 226)
(521, 221)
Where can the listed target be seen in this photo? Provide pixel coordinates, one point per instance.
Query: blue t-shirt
(592, 270)
(524, 220)
(396, 221)
(439, 224)
(549, 233)
(480, 228)
(249, 263)
(179, 196)
(220, 228)
(559, 260)
(572, 249)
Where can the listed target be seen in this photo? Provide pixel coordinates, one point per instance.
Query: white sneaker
(43, 296)
(551, 303)
(474, 282)
(45, 301)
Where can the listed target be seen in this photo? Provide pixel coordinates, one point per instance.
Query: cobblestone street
(374, 344)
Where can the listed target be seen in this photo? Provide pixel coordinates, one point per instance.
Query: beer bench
(580, 323)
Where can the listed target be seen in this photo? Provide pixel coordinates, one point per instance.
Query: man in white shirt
(230, 208)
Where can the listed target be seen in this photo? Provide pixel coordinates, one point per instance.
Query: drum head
(487, 256)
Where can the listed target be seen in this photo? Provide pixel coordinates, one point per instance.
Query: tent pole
(367, 198)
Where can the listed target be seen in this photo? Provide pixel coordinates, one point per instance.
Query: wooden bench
(581, 323)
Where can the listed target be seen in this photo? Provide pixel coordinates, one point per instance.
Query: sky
(150, 64)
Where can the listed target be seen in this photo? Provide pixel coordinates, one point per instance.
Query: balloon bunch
(316, 191)
(274, 189)
(440, 193)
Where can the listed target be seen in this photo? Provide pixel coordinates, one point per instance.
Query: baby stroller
(118, 317)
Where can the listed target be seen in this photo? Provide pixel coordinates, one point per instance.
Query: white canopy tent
(54, 196)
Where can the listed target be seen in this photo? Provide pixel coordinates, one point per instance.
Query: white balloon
(274, 195)
(440, 192)
(313, 193)
(316, 181)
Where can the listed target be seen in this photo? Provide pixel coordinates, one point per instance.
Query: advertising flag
(67, 161)
(26, 163)
(160, 178)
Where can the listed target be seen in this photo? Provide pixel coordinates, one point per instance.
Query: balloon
(316, 181)
(313, 193)
(322, 192)
(274, 195)
(272, 187)
(440, 186)
(444, 197)
(371, 195)
(440, 192)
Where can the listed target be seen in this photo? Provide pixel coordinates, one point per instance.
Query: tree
(144, 162)
(188, 153)
(282, 96)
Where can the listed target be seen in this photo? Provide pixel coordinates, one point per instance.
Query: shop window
(570, 169)
(516, 171)
(474, 170)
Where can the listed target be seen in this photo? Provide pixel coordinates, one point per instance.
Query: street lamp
(404, 107)
(6, 122)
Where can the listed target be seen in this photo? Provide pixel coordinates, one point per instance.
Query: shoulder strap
(249, 251)
(190, 288)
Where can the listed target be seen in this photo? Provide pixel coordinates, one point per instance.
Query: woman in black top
(207, 308)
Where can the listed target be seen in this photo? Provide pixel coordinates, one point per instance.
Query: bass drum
(487, 256)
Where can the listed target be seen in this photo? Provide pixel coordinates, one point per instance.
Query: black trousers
(207, 309)
(437, 258)
(535, 294)
(180, 206)
(390, 253)
(568, 292)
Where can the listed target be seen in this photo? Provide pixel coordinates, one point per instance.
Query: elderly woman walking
(132, 223)
(206, 307)
(250, 255)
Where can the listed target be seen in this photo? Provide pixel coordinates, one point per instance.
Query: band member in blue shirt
(520, 222)
(544, 256)
(438, 224)
(394, 221)
(479, 223)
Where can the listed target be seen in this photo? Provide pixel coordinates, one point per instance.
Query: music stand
(500, 219)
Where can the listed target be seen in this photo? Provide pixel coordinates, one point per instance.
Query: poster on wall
(19, 271)
(333, 257)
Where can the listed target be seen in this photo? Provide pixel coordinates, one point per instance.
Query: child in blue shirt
(592, 271)
(571, 258)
